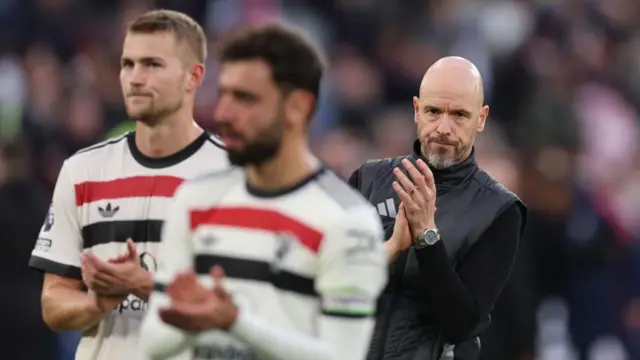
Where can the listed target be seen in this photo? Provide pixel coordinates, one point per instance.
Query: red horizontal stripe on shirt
(259, 219)
(135, 186)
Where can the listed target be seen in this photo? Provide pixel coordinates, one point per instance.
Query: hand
(194, 308)
(401, 238)
(418, 196)
(130, 256)
(118, 276)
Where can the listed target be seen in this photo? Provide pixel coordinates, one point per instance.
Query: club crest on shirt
(284, 243)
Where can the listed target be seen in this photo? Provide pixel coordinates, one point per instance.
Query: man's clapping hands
(418, 205)
(111, 281)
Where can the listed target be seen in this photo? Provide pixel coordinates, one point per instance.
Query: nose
(137, 77)
(223, 112)
(444, 125)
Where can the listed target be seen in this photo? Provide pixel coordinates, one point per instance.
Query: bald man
(452, 230)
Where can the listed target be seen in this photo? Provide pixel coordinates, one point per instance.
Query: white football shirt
(105, 194)
(305, 266)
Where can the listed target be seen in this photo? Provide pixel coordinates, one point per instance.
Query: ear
(416, 109)
(195, 77)
(484, 113)
(299, 105)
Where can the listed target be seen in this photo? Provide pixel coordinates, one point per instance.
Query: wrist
(232, 319)
(143, 285)
(421, 229)
(392, 245)
(94, 306)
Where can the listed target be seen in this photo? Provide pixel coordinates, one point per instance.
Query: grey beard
(440, 161)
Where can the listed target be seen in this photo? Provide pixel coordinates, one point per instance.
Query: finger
(185, 286)
(88, 271)
(107, 279)
(428, 175)
(86, 261)
(407, 184)
(120, 258)
(95, 262)
(184, 315)
(191, 276)
(417, 176)
(117, 260)
(174, 317)
(401, 210)
(101, 288)
(131, 247)
(409, 203)
(218, 274)
(177, 286)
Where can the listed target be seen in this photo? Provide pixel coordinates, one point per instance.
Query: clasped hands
(110, 282)
(193, 307)
(196, 308)
(418, 204)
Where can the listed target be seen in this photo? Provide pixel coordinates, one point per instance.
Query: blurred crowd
(562, 78)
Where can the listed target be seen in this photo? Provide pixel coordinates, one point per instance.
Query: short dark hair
(183, 27)
(294, 63)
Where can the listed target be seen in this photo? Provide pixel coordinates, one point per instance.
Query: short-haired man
(119, 190)
(302, 252)
(450, 265)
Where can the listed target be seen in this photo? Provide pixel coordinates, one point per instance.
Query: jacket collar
(448, 178)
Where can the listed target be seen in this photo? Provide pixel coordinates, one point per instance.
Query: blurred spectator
(23, 205)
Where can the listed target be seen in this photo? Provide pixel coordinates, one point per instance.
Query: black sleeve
(354, 179)
(457, 301)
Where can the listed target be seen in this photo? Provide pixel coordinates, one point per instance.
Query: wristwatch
(427, 238)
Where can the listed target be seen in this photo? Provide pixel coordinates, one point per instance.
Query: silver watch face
(428, 238)
(431, 236)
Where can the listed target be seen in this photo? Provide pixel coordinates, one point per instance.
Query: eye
(126, 64)
(432, 111)
(245, 97)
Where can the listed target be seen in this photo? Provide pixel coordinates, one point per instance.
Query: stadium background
(562, 78)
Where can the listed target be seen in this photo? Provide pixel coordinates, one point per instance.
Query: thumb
(217, 273)
(131, 247)
(402, 213)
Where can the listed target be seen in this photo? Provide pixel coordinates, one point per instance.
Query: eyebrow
(144, 59)
(451, 109)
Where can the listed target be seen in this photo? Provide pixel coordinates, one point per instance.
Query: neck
(167, 137)
(293, 162)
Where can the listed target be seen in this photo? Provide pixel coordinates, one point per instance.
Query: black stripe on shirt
(52, 267)
(119, 231)
(346, 315)
(257, 271)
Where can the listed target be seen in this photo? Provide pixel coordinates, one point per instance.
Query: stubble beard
(442, 161)
(264, 148)
(153, 115)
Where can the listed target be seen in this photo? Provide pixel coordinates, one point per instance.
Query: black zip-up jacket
(438, 299)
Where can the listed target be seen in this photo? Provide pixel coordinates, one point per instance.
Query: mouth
(232, 141)
(442, 144)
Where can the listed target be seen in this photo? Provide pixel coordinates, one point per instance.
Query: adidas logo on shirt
(108, 211)
(387, 208)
